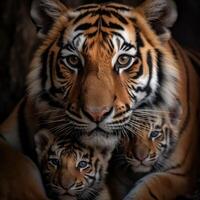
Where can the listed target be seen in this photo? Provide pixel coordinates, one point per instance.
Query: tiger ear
(161, 14)
(43, 139)
(45, 12)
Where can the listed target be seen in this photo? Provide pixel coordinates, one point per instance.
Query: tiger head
(99, 62)
(70, 170)
(152, 141)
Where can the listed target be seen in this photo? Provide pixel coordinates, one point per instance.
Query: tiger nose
(97, 114)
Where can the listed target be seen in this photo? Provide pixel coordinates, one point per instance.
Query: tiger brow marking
(81, 16)
(119, 17)
(87, 7)
(122, 8)
(127, 46)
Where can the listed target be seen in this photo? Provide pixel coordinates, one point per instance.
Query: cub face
(69, 168)
(152, 142)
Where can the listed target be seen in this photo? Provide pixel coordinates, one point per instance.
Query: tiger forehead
(98, 24)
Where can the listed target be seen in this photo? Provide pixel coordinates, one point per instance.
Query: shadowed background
(18, 42)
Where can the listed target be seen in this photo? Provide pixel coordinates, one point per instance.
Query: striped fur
(152, 142)
(178, 176)
(98, 35)
(70, 169)
(101, 64)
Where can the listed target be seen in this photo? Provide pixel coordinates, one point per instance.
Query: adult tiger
(99, 64)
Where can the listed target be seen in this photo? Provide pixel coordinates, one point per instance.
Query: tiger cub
(151, 152)
(145, 154)
(72, 171)
(152, 143)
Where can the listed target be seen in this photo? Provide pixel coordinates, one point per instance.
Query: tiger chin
(71, 170)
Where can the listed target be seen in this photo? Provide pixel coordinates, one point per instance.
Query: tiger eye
(73, 60)
(124, 60)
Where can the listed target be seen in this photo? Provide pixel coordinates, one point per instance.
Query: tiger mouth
(98, 130)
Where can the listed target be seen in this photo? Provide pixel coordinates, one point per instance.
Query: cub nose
(141, 154)
(97, 114)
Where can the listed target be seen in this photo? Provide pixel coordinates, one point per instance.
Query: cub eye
(73, 61)
(54, 161)
(82, 164)
(154, 134)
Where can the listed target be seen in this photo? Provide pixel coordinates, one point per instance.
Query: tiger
(100, 64)
(97, 64)
(70, 169)
(145, 150)
(150, 144)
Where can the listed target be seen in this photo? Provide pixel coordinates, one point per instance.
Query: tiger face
(152, 143)
(98, 63)
(70, 170)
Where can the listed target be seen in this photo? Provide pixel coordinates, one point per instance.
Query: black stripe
(51, 62)
(115, 26)
(86, 7)
(147, 88)
(101, 12)
(81, 16)
(139, 41)
(119, 17)
(150, 65)
(50, 100)
(158, 98)
(90, 35)
(122, 8)
(60, 39)
(118, 34)
(151, 193)
(195, 64)
(53, 90)
(43, 72)
(139, 73)
(59, 72)
(187, 94)
(84, 26)
(173, 51)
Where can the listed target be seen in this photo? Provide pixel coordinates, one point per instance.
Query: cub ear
(43, 139)
(161, 14)
(45, 12)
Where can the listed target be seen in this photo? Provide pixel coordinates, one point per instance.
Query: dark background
(18, 41)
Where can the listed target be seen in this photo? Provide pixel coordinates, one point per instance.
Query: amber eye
(124, 59)
(73, 61)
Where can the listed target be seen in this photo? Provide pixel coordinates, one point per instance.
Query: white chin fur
(100, 139)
